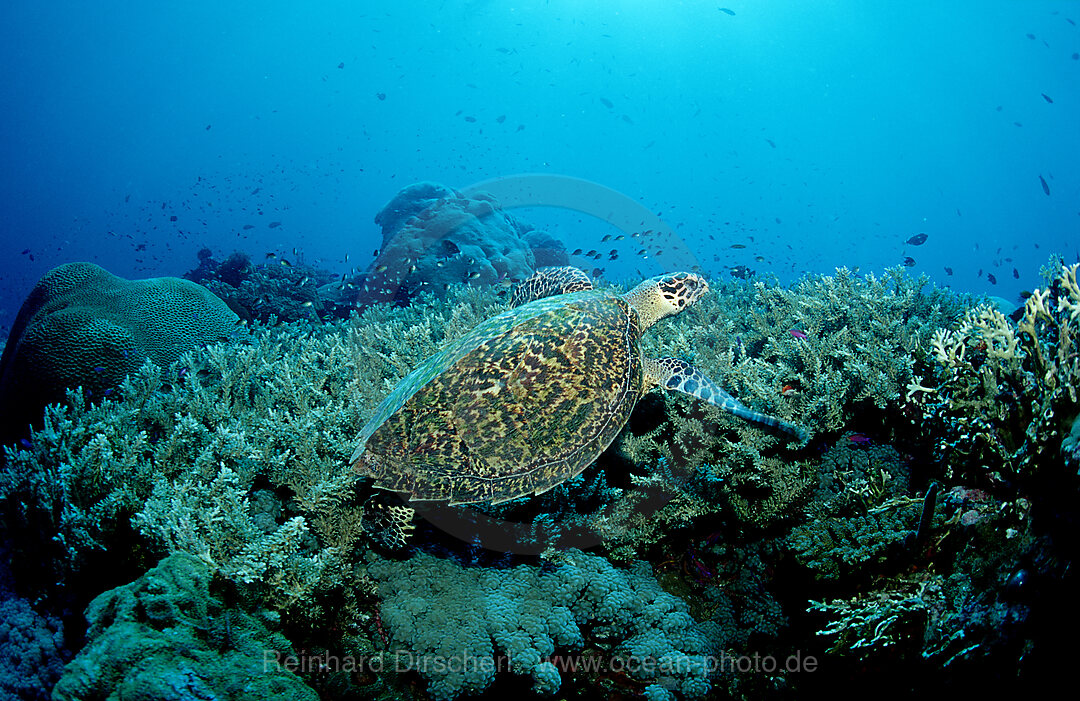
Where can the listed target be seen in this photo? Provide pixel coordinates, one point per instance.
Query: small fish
(990, 277)
(788, 391)
(606, 102)
(1045, 187)
(917, 240)
(470, 119)
(271, 255)
(1047, 98)
(26, 251)
(1016, 274)
(606, 238)
(25, 444)
(207, 127)
(274, 224)
(577, 252)
(474, 274)
(501, 118)
(597, 272)
(620, 237)
(99, 368)
(860, 439)
(759, 259)
(286, 263)
(172, 218)
(248, 226)
(727, 11)
(771, 142)
(306, 304)
(948, 270)
(738, 245)
(798, 334)
(591, 254)
(341, 65)
(381, 269)
(909, 262)
(380, 95)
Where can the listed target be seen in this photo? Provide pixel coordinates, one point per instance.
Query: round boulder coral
(82, 326)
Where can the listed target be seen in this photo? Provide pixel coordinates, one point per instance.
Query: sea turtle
(531, 397)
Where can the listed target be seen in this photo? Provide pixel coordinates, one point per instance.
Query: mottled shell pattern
(525, 401)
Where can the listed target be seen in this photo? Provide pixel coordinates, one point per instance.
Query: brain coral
(83, 326)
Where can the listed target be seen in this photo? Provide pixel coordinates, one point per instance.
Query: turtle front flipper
(680, 376)
(548, 282)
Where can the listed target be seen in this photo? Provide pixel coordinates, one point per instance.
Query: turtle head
(665, 295)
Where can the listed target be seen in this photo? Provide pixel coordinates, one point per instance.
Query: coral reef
(234, 458)
(82, 326)
(453, 623)
(168, 635)
(262, 428)
(1004, 396)
(31, 650)
(279, 290)
(855, 350)
(434, 237)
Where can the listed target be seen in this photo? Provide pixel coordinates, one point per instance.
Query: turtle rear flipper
(680, 376)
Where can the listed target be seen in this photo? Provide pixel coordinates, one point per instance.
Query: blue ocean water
(815, 134)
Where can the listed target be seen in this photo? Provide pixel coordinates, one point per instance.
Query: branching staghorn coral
(903, 614)
(181, 452)
(857, 341)
(859, 336)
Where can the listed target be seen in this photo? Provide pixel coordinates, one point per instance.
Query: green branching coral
(1004, 395)
(860, 515)
(839, 547)
(860, 334)
(901, 615)
(180, 455)
(862, 339)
